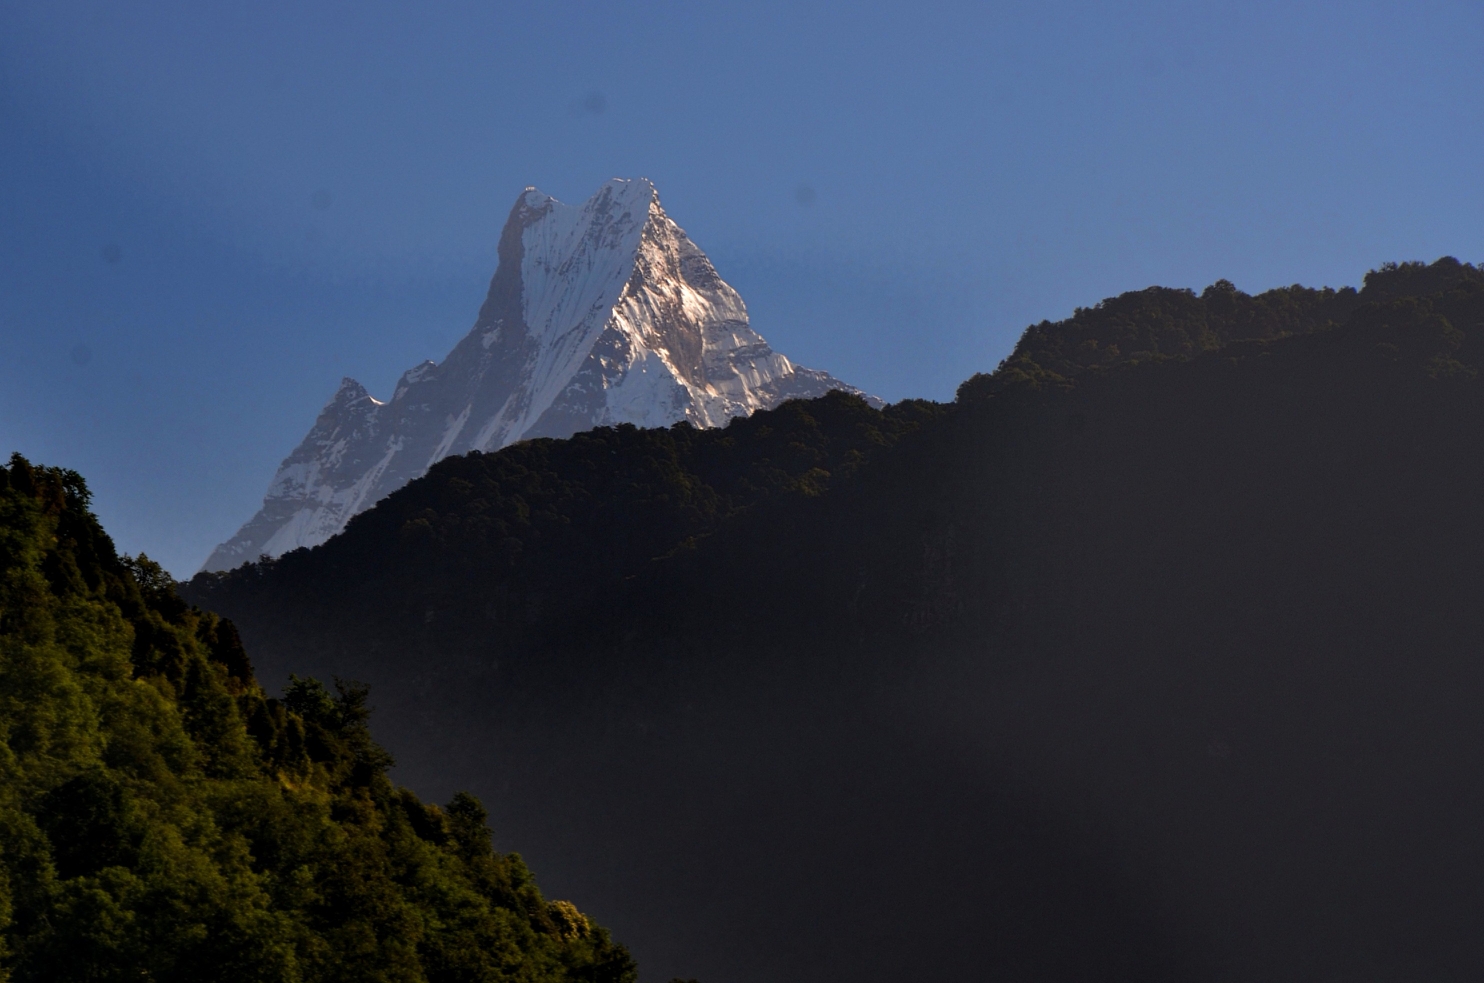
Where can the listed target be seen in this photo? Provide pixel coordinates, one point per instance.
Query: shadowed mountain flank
(1154, 656)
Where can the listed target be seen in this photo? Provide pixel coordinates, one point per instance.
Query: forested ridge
(543, 529)
(1151, 657)
(163, 819)
(523, 546)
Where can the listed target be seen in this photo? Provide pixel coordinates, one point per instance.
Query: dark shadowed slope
(1155, 666)
(162, 819)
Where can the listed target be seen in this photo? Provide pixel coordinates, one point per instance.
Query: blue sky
(210, 213)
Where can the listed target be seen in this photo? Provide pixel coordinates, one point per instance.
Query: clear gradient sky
(211, 212)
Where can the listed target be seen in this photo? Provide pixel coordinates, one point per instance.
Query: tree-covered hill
(1152, 657)
(162, 819)
(513, 552)
(1161, 324)
(527, 535)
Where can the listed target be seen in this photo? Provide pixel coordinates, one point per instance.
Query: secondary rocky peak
(597, 314)
(350, 391)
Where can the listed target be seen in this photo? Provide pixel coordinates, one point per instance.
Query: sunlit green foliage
(162, 819)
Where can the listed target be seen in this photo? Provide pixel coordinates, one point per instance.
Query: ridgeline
(1154, 656)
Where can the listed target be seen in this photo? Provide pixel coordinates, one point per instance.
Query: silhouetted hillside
(1152, 657)
(524, 536)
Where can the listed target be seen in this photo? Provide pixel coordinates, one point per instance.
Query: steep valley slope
(163, 819)
(1155, 656)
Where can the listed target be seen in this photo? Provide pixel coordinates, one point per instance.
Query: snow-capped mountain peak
(598, 314)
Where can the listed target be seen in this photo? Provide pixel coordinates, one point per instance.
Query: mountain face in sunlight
(1152, 657)
(600, 314)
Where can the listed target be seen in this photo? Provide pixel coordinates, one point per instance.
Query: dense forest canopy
(1165, 626)
(528, 537)
(162, 818)
(1161, 323)
(1153, 656)
(539, 526)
